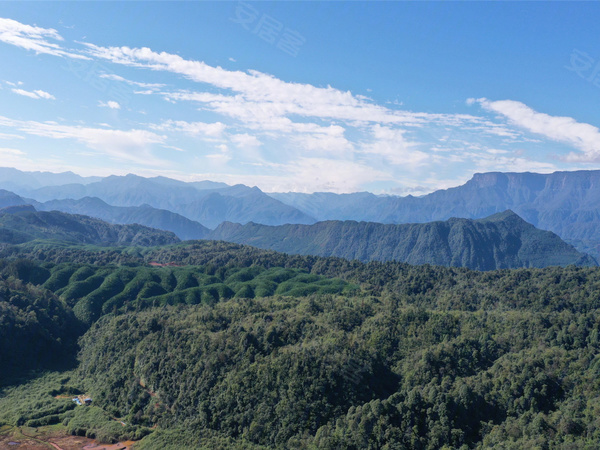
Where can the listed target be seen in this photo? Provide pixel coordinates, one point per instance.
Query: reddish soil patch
(24, 440)
(43, 442)
(123, 445)
(155, 264)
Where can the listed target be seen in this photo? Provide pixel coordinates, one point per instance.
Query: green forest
(206, 344)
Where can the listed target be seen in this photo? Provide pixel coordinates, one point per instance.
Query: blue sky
(387, 97)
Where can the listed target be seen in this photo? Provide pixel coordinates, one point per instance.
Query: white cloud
(25, 93)
(10, 136)
(305, 175)
(391, 144)
(331, 175)
(256, 90)
(132, 145)
(221, 158)
(37, 94)
(151, 87)
(196, 129)
(109, 104)
(488, 163)
(13, 157)
(10, 151)
(583, 136)
(33, 38)
(45, 95)
(245, 140)
(323, 142)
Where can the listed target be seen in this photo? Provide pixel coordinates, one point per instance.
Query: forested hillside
(503, 240)
(217, 345)
(20, 224)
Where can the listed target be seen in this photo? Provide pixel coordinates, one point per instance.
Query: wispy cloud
(221, 158)
(583, 136)
(245, 140)
(256, 91)
(10, 151)
(494, 162)
(149, 86)
(196, 129)
(131, 145)
(305, 175)
(37, 94)
(34, 38)
(10, 136)
(392, 145)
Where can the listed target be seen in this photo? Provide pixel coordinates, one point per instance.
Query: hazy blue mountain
(8, 198)
(19, 224)
(129, 190)
(203, 185)
(162, 219)
(22, 182)
(245, 205)
(502, 240)
(206, 202)
(329, 206)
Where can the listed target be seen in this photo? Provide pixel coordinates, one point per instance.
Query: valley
(299, 225)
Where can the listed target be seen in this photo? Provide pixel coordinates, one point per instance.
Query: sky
(387, 97)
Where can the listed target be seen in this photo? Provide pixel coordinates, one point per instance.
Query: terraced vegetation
(93, 291)
(225, 346)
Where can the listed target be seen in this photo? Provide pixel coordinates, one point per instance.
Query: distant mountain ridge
(206, 202)
(15, 180)
(567, 203)
(503, 240)
(146, 215)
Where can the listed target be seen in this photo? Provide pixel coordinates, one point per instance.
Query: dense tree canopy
(224, 346)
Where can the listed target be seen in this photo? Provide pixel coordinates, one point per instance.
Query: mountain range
(206, 202)
(500, 241)
(503, 240)
(566, 203)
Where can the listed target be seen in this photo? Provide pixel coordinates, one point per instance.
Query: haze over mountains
(567, 203)
(206, 202)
